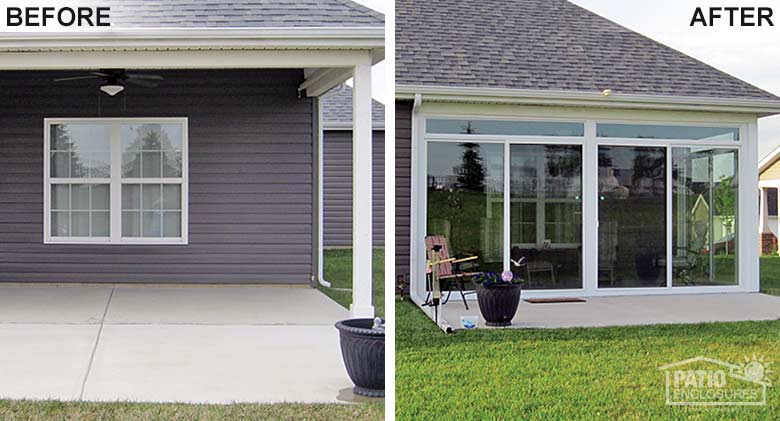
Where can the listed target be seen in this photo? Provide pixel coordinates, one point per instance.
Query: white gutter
(760, 107)
(195, 38)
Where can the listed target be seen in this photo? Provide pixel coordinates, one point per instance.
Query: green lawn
(338, 271)
(596, 373)
(86, 411)
(770, 275)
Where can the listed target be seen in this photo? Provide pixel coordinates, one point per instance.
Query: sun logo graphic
(755, 369)
(703, 381)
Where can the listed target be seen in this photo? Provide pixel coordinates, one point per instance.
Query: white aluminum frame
(116, 181)
(747, 257)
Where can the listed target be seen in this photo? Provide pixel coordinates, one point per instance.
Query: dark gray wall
(337, 188)
(403, 184)
(251, 184)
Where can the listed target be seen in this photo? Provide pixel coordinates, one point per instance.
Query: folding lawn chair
(448, 270)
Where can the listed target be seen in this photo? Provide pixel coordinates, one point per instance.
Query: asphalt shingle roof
(544, 45)
(240, 14)
(337, 107)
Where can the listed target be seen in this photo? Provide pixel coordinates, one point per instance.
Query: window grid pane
(148, 210)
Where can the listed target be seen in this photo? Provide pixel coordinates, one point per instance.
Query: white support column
(748, 218)
(590, 210)
(763, 225)
(362, 245)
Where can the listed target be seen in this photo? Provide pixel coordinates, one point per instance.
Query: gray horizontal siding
(403, 185)
(337, 188)
(251, 163)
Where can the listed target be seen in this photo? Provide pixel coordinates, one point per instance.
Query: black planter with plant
(363, 352)
(498, 297)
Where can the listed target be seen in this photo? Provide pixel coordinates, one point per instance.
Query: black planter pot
(498, 303)
(363, 351)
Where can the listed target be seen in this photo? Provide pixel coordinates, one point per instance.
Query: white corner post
(362, 245)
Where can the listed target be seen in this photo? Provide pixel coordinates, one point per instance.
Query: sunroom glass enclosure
(517, 194)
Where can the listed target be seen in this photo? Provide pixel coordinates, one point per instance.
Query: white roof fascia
(759, 107)
(371, 38)
(768, 160)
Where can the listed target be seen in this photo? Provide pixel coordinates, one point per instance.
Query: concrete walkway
(632, 310)
(170, 344)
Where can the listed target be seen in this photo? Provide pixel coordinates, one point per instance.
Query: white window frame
(116, 182)
(746, 273)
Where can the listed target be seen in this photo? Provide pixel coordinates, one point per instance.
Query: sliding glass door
(465, 200)
(546, 215)
(704, 216)
(632, 217)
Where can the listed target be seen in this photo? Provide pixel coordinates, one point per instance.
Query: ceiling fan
(114, 80)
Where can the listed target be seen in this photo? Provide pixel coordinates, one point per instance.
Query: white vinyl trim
(761, 107)
(115, 181)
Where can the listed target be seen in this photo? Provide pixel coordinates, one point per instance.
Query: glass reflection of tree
(725, 201)
(151, 138)
(64, 142)
(471, 172)
(649, 168)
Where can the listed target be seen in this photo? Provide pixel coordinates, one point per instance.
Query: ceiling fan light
(112, 88)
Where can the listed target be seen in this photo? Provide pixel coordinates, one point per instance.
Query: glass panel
(79, 196)
(771, 201)
(151, 164)
(172, 224)
(465, 200)
(131, 164)
(131, 196)
(131, 224)
(512, 128)
(60, 196)
(81, 150)
(79, 224)
(101, 224)
(151, 197)
(60, 164)
(152, 224)
(546, 215)
(705, 216)
(632, 217)
(152, 150)
(60, 224)
(172, 197)
(101, 197)
(648, 131)
(172, 166)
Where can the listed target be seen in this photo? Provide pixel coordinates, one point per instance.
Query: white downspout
(321, 201)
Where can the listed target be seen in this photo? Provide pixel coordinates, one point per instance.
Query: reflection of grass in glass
(472, 223)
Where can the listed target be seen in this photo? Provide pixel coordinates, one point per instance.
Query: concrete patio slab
(44, 361)
(53, 303)
(632, 310)
(228, 305)
(197, 344)
(217, 364)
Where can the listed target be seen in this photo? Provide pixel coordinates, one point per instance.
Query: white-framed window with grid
(115, 181)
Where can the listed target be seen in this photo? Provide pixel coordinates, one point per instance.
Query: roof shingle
(337, 107)
(544, 45)
(240, 14)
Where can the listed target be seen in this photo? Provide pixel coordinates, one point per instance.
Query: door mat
(554, 300)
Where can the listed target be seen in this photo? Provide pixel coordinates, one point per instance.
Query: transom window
(116, 181)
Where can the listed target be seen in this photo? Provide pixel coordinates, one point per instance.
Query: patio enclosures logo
(703, 381)
(51, 16)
